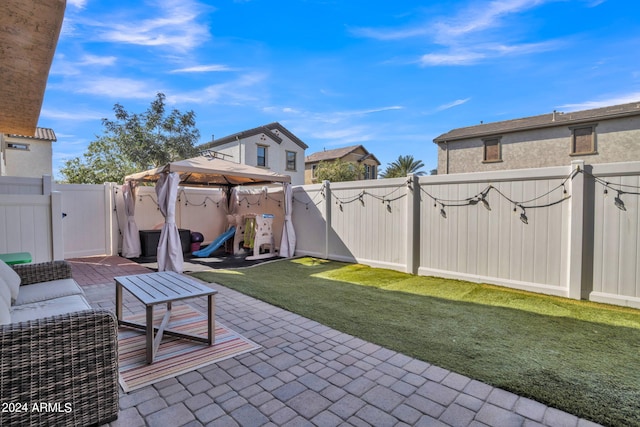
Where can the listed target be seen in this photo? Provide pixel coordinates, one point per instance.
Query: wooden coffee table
(164, 287)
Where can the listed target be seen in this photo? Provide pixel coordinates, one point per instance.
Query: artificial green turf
(577, 356)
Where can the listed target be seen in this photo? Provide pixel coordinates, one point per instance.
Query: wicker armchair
(60, 370)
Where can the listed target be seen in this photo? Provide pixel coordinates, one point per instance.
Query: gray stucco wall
(617, 140)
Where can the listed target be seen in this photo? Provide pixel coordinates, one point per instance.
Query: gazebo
(202, 171)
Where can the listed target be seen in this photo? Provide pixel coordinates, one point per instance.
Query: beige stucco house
(353, 154)
(601, 135)
(27, 156)
(270, 146)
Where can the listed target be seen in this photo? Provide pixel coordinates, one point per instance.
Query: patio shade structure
(208, 171)
(29, 31)
(201, 171)
(288, 243)
(169, 248)
(130, 240)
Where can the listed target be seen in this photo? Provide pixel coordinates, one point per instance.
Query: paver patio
(307, 374)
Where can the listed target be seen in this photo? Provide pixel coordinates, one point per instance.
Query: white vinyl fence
(31, 218)
(552, 230)
(571, 231)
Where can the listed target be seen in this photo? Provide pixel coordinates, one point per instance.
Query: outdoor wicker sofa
(58, 356)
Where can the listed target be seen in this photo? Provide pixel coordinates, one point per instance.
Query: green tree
(134, 142)
(402, 167)
(339, 171)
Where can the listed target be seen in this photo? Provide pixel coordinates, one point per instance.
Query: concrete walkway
(307, 374)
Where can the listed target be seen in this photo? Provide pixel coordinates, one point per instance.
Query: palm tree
(403, 166)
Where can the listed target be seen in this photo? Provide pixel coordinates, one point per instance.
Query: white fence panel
(20, 185)
(368, 220)
(462, 239)
(309, 221)
(616, 234)
(26, 226)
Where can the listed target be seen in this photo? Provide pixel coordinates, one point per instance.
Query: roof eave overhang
(29, 32)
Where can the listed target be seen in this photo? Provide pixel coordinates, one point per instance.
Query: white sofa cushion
(5, 303)
(52, 307)
(37, 292)
(11, 278)
(5, 293)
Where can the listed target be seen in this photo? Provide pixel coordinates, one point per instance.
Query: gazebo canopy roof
(29, 31)
(205, 171)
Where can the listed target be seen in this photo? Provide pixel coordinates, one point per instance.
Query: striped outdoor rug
(175, 356)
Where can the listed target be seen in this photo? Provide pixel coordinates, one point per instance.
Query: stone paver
(307, 374)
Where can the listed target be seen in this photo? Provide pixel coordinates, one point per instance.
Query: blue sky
(390, 75)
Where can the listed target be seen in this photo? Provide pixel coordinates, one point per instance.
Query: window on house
(18, 146)
(314, 169)
(492, 150)
(583, 140)
(291, 160)
(262, 156)
(369, 171)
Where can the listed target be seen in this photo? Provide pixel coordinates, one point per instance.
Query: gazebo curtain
(288, 242)
(170, 256)
(130, 236)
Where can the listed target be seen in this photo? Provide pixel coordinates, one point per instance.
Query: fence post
(413, 224)
(111, 232)
(327, 217)
(57, 235)
(576, 231)
(47, 185)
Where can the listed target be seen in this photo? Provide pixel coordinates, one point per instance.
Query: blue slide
(219, 241)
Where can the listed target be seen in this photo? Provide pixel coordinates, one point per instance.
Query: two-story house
(27, 156)
(271, 146)
(601, 135)
(351, 154)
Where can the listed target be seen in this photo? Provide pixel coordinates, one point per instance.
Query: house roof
(29, 33)
(41, 133)
(338, 153)
(541, 121)
(265, 129)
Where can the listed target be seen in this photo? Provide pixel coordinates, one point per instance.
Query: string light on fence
(443, 213)
(618, 202)
(618, 188)
(523, 216)
(485, 203)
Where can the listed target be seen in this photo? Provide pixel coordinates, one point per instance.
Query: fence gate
(87, 224)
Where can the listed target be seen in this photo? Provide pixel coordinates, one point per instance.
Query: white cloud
(606, 102)
(115, 87)
(177, 25)
(81, 115)
(235, 92)
(480, 17)
(335, 127)
(203, 69)
(344, 135)
(80, 4)
(390, 34)
(97, 60)
(453, 104)
(479, 31)
(479, 52)
(451, 58)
